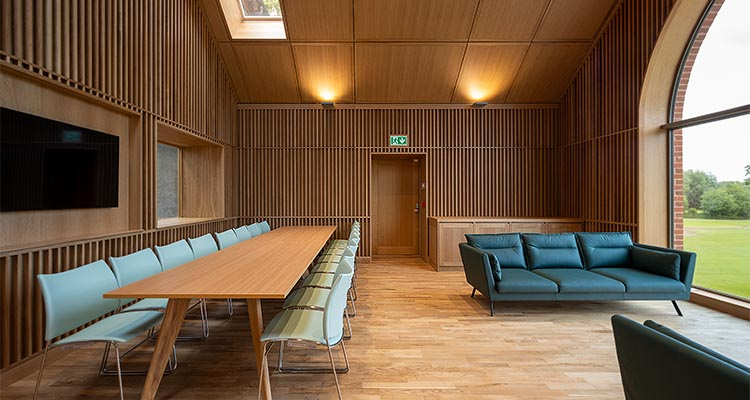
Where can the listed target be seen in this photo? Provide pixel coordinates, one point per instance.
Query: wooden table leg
(256, 329)
(170, 328)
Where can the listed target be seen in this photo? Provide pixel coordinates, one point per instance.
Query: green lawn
(723, 248)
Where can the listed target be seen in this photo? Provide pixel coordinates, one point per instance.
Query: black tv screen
(51, 165)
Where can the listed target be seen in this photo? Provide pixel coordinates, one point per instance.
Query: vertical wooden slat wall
(313, 166)
(156, 58)
(599, 120)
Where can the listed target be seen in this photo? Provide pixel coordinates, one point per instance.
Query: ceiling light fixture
(328, 105)
(479, 104)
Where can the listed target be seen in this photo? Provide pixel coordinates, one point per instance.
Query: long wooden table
(264, 267)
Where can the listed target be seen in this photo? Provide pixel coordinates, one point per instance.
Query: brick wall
(679, 204)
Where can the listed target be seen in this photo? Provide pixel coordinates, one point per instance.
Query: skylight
(260, 9)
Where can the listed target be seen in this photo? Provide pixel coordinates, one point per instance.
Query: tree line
(705, 197)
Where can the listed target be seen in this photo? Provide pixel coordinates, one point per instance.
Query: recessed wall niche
(200, 176)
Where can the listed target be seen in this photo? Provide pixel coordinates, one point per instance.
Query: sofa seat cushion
(552, 251)
(637, 281)
(571, 280)
(506, 248)
(522, 281)
(605, 249)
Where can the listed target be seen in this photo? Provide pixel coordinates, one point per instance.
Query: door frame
(424, 211)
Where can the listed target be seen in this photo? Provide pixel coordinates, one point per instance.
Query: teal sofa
(574, 266)
(657, 363)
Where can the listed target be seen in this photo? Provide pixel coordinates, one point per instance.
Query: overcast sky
(721, 80)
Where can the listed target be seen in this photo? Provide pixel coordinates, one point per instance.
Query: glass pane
(260, 8)
(719, 78)
(716, 187)
(167, 181)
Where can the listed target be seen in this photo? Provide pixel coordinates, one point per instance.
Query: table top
(264, 267)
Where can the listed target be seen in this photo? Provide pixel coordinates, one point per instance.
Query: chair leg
(677, 308)
(119, 371)
(474, 290)
(492, 309)
(335, 376)
(41, 370)
(346, 358)
(349, 327)
(204, 318)
(351, 301)
(230, 307)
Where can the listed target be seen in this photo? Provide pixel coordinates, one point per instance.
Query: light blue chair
(242, 233)
(174, 255)
(254, 229)
(203, 246)
(226, 239)
(264, 227)
(134, 267)
(321, 327)
(74, 298)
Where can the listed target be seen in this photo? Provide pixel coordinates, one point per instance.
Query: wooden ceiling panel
(406, 73)
(325, 72)
(574, 19)
(318, 20)
(488, 71)
(268, 71)
(426, 20)
(546, 71)
(508, 20)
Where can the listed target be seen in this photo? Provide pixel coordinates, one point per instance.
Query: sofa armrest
(477, 268)
(687, 262)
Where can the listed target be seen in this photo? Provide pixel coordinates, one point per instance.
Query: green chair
(254, 229)
(226, 239)
(174, 255)
(321, 327)
(657, 363)
(264, 227)
(203, 246)
(242, 233)
(74, 298)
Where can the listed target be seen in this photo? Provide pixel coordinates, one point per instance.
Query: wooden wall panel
(310, 165)
(599, 120)
(155, 60)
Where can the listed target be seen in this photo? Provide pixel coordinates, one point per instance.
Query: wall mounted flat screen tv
(51, 165)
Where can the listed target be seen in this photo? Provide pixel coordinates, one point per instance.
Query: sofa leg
(472, 292)
(676, 308)
(492, 309)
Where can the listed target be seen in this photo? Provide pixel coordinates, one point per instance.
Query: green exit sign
(399, 140)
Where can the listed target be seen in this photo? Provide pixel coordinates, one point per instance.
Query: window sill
(728, 305)
(177, 221)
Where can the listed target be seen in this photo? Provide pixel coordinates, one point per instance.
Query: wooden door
(395, 206)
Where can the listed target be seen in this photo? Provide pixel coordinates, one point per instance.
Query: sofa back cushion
(662, 263)
(506, 247)
(552, 251)
(606, 249)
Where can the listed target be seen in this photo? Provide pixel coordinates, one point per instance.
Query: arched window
(710, 133)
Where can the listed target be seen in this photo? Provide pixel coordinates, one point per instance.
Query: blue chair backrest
(264, 227)
(174, 254)
(333, 316)
(242, 233)
(203, 245)
(254, 229)
(226, 238)
(349, 254)
(73, 298)
(134, 267)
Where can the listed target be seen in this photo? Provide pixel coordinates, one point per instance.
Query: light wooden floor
(417, 335)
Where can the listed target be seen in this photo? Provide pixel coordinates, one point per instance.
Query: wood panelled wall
(154, 58)
(311, 165)
(599, 120)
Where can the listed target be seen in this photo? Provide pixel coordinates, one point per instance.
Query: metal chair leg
(348, 326)
(472, 292)
(492, 309)
(230, 307)
(41, 370)
(677, 308)
(335, 376)
(354, 307)
(119, 370)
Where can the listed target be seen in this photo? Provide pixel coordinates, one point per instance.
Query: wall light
(328, 105)
(479, 104)
(327, 95)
